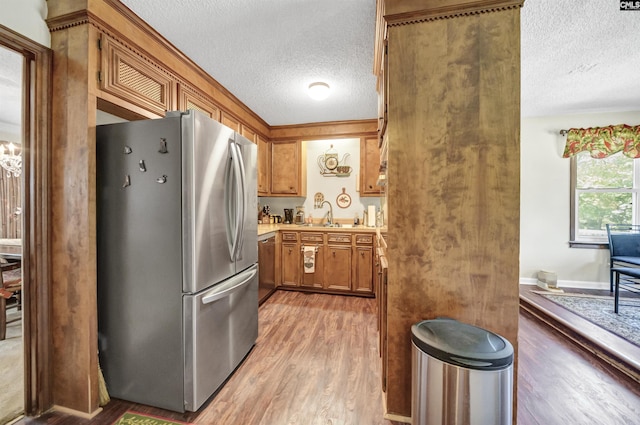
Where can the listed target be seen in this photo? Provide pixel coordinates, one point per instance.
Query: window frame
(573, 208)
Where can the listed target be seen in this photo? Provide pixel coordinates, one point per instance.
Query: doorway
(29, 217)
(11, 346)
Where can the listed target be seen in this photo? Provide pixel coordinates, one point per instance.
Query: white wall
(545, 199)
(26, 17)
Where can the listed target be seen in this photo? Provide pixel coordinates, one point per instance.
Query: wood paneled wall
(453, 180)
(73, 221)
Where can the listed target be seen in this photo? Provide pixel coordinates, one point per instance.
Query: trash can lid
(461, 344)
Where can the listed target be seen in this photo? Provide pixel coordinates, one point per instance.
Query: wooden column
(73, 219)
(453, 175)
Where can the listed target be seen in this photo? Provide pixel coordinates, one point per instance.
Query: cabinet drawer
(364, 239)
(311, 237)
(339, 237)
(289, 236)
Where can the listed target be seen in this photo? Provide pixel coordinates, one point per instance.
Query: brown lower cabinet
(290, 267)
(343, 262)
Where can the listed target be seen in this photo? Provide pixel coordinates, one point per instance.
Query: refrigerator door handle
(233, 201)
(234, 284)
(243, 199)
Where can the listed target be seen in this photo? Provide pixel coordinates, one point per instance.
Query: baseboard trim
(73, 412)
(390, 416)
(579, 284)
(397, 418)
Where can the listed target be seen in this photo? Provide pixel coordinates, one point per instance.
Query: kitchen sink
(319, 225)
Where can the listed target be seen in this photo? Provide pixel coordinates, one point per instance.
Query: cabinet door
(190, 99)
(363, 279)
(313, 280)
(290, 264)
(369, 166)
(230, 121)
(135, 80)
(263, 166)
(337, 267)
(286, 163)
(248, 133)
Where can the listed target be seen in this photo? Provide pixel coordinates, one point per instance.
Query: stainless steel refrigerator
(177, 257)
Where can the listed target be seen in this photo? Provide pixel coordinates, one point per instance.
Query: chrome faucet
(329, 214)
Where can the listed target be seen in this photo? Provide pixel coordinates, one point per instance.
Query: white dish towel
(309, 254)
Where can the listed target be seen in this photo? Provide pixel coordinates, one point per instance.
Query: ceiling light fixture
(318, 90)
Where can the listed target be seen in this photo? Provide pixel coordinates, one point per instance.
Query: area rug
(599, 310)
(136, 418)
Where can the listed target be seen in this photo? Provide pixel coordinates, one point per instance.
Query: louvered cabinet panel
(138, 81)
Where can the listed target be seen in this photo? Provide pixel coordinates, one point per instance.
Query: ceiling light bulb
(319, 91)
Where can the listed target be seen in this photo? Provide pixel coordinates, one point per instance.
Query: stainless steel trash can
(462, 375)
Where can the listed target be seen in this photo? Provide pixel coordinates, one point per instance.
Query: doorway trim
(36, 278)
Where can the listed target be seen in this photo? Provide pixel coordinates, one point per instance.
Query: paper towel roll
(371, 216)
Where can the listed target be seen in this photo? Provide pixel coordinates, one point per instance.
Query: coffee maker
(288, 216)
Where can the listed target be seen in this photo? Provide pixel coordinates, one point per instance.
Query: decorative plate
(343, 200)
(331, 163)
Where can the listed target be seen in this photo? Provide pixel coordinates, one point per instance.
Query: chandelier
(10, 159)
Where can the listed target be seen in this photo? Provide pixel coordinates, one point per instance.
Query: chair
(10, 286)
(624, 248)
(632, 272)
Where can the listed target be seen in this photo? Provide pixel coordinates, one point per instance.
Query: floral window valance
(602, 142)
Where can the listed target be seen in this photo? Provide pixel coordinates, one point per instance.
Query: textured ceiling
(577, 56)
(268, 52)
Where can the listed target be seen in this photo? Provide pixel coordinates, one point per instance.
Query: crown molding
(399, 13)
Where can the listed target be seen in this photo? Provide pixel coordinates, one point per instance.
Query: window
(602, 191)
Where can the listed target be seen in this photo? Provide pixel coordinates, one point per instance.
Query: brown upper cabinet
(288, 171)
(263, 166)
(189, 98)
(230, 121)
(248, 133)
(135, 80)
(369, 166)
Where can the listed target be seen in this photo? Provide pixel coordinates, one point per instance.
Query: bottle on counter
(356, 219)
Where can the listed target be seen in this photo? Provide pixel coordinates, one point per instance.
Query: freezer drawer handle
(219, 293)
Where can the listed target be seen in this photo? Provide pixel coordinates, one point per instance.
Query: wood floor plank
(316, 363)
(560, 384)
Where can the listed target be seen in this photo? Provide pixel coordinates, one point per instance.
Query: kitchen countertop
(268, 228)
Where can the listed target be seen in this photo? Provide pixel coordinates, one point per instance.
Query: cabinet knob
(289, 250)
(362, 254)
(334, 253)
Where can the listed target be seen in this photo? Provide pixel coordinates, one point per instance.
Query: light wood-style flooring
(316, 362)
